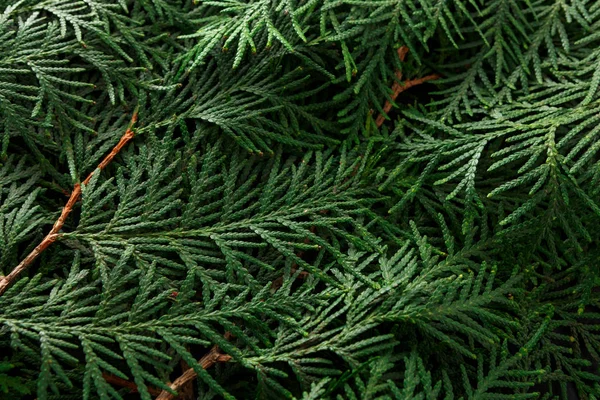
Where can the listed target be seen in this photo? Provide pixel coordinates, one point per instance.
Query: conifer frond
(499, 375)
(412, 294)
(261, 104)
(510, 42)
(243, 26)
(233, 213)
(47, 49)
(538, 154)
(570, 349)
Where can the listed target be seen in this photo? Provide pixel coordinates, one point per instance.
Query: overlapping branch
(54, 233)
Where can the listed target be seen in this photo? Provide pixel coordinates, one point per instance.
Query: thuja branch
(399, 87)
(6, 281)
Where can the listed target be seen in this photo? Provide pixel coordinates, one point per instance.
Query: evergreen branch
(75, 195)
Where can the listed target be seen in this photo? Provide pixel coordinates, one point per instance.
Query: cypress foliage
(308, 199)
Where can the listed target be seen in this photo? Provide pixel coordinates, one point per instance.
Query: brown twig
(186, 392)
(208, 360)
(398, 87)
(6, 281)
(115, 380)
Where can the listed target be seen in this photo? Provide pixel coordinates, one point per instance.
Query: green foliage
(262, 211)
(15, 385)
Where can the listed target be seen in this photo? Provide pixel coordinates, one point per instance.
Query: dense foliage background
(323, 199)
